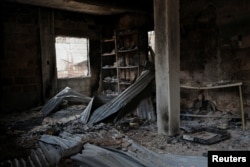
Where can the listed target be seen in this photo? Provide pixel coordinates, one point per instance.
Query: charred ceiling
(97, 7)
(230, 15)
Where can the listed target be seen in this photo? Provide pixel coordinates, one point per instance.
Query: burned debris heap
(64, 130)
(78, 130)
(84, 61)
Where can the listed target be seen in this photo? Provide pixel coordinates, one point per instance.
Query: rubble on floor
(102, 145)
(80, 134)
(148, 137)
(136, 156)
(139, 145)
(65, 115)
(207, 135)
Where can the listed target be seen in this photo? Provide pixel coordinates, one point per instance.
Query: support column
(167, 65)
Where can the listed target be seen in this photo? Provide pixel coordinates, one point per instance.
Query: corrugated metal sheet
(87, 111)
(67, 146)
(50, 149)
(145, 110)
(95, 156)
(95, 102)
(150, 158)
(66, 94)
(121, 100)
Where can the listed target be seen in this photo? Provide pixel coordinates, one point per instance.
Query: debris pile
(115, 131)
(117, 103)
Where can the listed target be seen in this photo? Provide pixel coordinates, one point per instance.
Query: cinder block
(7, 81)
(30, 88)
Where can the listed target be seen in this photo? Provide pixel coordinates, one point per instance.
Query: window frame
(88, 74)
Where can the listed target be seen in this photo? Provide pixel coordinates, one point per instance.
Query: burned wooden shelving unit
(109, 67)
(119, 61)
(127, 57)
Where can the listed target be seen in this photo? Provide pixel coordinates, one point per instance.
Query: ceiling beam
(99, 7)
(128, 5)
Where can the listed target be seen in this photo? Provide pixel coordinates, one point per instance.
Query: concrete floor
(20, 133)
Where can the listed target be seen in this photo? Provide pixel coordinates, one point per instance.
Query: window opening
(151, 39)
(72, 57)
(151, 44)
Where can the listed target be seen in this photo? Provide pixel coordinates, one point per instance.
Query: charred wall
(28, 76)
(22, 69)
(215, 48)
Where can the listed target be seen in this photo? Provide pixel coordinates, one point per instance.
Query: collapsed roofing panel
(94, 103)
(51, 149)
(66, 94)
(150, 158)
(119, 101)
(145, 110)
(97, 156)
(93, 155)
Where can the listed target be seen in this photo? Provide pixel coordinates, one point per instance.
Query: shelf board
(110, 94)
(109, 67)
(127, 67)
(126, 33)
(110, 82)
(108, 54)
(125, 83)
(108, 40)
(127, 50)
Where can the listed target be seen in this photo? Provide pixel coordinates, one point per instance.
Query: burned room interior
(123, 83)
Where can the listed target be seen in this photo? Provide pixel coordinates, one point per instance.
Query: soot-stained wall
(215, 48)
(20, 68)
(23, 50)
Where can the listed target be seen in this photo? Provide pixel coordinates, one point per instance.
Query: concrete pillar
(167, 65)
